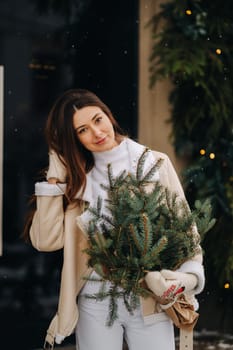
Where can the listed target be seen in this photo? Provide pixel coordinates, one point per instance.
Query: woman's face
(94, 129)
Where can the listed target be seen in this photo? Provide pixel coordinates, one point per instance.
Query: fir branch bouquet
(148, 228)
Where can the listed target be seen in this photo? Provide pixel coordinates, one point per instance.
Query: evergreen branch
(141, 162)
(118, 240)
(142, 231)
(100, 245)
(108, 219)
(110, 177)
(203, 215)
(99, 205)
(147, 239)
(154, 168)
(128, 303)
(136, 237)
(113, 306)
(159, 247)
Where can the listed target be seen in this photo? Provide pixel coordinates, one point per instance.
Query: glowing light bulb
(212, 155)
(218, 51)
(202, 152)
(188, 12)
(227, 285)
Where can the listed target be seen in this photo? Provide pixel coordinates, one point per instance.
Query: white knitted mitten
(56, 168)
(165, 289)
(188, 280)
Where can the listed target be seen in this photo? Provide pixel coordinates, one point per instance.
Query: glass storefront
(46, 48)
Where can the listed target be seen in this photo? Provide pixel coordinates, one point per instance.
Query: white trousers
(92, 333)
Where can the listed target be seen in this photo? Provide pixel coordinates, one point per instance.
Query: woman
(83, 137)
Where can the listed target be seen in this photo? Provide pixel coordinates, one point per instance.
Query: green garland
(194, 50)
(144, 231)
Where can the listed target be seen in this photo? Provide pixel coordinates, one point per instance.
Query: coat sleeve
(47, 229)
(168, 175)
(170, 179)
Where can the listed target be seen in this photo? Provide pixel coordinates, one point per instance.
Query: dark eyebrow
(93, 118)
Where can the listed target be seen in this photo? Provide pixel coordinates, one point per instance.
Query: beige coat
(52, 229)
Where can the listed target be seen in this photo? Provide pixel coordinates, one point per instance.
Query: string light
(226, 285)
(188, 12)
(202, 152)
(212, 155)
(218, 51)
(42, 66)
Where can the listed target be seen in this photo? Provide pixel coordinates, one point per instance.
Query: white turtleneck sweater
(119, 159)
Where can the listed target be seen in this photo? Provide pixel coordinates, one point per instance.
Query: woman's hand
(52, 180)
(56, 171)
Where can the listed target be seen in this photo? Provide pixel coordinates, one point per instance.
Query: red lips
(101, 141)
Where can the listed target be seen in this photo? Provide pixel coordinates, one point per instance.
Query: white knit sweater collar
(118, 157)
(110, 154)
(134, 151)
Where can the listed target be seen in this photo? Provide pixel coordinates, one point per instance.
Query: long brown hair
(62, 138)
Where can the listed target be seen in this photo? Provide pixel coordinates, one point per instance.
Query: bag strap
(186, 339)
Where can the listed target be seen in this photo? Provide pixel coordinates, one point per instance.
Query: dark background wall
(44, 51)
